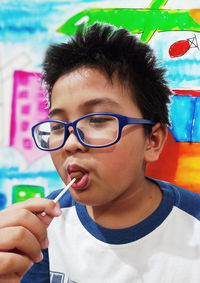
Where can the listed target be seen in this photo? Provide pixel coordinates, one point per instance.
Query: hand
(23, 233)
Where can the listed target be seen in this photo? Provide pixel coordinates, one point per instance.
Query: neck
(130, 210)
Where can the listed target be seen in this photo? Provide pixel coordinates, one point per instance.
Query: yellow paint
(195, 15)
(188, 170)
(188, 167)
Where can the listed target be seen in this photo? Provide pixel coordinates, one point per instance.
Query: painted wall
(27, 27)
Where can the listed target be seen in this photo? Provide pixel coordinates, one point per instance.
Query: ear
(155, 142)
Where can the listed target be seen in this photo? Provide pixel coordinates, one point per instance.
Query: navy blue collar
(133, 233)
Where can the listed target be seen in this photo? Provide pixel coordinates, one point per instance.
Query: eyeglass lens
(95, 130)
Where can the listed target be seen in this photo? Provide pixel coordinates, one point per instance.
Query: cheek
(122, 163)
(125, 160)
(56, 157)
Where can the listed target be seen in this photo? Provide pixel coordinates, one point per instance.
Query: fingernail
(40, 257)
(57, 210)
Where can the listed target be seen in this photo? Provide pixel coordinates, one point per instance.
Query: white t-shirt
(164, 248)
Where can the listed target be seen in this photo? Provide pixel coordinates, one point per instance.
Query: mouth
(81, 175)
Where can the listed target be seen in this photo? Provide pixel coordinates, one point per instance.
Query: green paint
(137, 21)
(23, 192)
(157, 4)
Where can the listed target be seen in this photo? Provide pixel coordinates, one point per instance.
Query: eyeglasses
(95, 130)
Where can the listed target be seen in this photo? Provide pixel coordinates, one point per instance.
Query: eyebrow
(87, 104)
(55, 111)
(100, 101)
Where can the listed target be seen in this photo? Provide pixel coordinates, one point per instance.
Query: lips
(81, 175)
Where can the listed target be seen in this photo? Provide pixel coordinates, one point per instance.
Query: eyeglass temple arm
(131, 120)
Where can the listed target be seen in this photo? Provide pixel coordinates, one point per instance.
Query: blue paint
(12, 173)
(185, 118)
(183, 74)
(20, 20)
(31, 17)
(196, 125)
(182, 111)
(3, 201)
(180, 70)
(24, 29)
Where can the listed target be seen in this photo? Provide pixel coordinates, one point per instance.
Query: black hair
(112, 50)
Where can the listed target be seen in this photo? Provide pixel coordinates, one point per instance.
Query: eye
(56, 127)
(99, 120)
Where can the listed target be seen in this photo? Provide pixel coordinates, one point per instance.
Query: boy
(108, 116)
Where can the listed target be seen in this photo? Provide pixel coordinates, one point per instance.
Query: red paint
(179, 48)
(186, 92)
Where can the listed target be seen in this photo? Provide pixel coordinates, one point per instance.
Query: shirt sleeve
(39, 272)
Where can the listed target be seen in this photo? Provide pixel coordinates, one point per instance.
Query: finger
(12, 263)
(47, 218)
(19, 215)
(19, 240)
(26, 219)
(38, 205)
(10, 278)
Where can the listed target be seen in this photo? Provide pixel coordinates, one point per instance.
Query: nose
(72, 143)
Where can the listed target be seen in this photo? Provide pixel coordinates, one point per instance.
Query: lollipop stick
(61, 193)
(64, 190)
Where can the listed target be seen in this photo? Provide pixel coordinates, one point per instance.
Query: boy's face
(112, 173)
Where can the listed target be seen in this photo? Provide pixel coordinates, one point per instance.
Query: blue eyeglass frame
(123, 121)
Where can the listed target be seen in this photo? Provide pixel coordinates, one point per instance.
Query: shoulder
(184, 199)
(65, 201)
(188, 201)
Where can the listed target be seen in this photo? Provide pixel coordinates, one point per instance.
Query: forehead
(91, 87)
(89, 77)
(86, 79)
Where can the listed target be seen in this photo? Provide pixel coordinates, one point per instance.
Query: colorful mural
(170, 27)
(25, 113)
(141, 21)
